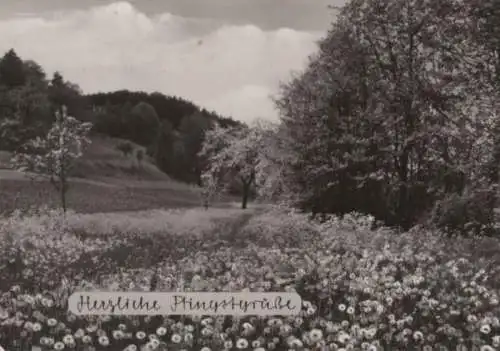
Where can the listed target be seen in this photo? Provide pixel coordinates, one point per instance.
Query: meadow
(362, 288)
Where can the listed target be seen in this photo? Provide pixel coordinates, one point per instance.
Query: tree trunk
(246, 193)
(63, 195)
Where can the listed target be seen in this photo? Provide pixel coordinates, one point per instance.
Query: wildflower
(316, 335)
(418, 335)
(188, 338)
(343, 337)
(296, 343)
(59, 346)
(487, 348)
(104, 341)
(117, 334)
(242, 343)
(206, 331)
(155, 343)
(485, 329)
(140, 335)
(228, 344)
(86, 339)
(176, 338)
(161, 331)
(68, 339)
(206, 348)
(51, 322)
(496, 340)
(341, 307)
(131, 347)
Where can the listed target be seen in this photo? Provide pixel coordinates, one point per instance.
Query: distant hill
(171, 108)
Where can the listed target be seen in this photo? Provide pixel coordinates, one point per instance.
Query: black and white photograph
(249, 175)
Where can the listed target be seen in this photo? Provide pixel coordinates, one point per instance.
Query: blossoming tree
(233, 154)
(54, 156)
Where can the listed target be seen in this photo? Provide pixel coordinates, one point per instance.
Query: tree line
(170, 128)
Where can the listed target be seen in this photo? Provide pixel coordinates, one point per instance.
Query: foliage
(125, 147)
(12, 72)
(142, 123)
(395, 110)
(468, 213)
(54, 155)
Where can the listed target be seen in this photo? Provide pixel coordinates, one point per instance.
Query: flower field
(362, 289)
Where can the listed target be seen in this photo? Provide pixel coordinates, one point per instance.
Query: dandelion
(161, 331)
(485, 329)
(86, 339)
(51, 322)
(155, 343)
(68, 339)
(117, 334)
(316, 335)
(188, 338)
(206, 348)
(104, 341)
(341, 307)
(206, 332)
(418, 335)
(59, 346)
(242, 343)
(140, 335)
(176, 338)
(296, 343)
(487, 348)
(343, 337)
(228, 344)
(496, 340)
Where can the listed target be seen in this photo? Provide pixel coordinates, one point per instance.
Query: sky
(224, 55)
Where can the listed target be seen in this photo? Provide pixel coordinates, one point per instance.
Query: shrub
(471, 213)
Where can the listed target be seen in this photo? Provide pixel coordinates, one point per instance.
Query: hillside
(102, 160)
(104, 180)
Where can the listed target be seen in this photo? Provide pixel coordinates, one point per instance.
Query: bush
(471, 213)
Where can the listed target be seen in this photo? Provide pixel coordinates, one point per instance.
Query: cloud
(228, 68)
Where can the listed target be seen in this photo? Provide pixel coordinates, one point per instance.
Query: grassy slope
(105, 180)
